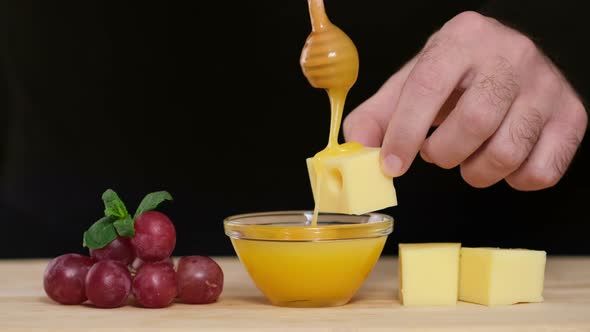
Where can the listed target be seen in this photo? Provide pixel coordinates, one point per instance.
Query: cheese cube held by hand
(352, 183)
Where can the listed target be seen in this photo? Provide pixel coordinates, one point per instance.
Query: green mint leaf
(113, 205)
(151, 201)
(100, 233)
(124, 226)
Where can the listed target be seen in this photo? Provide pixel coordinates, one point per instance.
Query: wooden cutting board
(24, 307)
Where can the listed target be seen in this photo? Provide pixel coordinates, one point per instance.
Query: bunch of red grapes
(140, 266)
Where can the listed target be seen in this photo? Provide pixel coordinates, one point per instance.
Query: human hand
(502, 109)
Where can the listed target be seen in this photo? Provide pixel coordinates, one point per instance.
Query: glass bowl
(295, 264)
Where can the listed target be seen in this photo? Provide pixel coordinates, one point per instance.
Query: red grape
(155, 236)
(200, 279)
(108, 284)
(64, 277)
(154, 285)
(120, 249)
(137, 263)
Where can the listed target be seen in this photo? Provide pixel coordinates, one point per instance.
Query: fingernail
(425, 157)
(363, 133)
(392, 165)
(353, 136)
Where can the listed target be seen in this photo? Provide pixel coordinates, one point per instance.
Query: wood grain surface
(25, 307)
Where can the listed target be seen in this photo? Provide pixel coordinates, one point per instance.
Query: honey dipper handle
(317, 13)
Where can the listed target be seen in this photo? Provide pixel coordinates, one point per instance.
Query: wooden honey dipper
(329, 60)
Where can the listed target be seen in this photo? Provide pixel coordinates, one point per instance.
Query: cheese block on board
(428, 273)
(493, 276)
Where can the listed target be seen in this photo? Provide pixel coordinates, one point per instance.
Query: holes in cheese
(334, 180)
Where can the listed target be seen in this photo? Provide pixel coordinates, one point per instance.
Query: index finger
(368, 122)
(439, 69)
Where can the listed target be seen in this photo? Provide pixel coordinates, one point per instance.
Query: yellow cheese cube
(493, 276)
(352, 183)
(428, 273)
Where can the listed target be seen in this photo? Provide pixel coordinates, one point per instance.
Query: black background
(208, 102)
